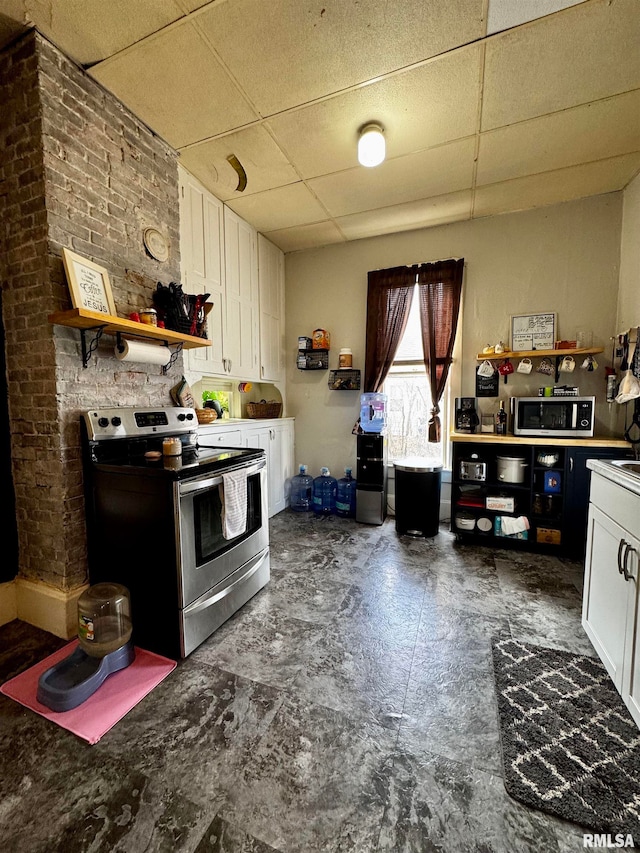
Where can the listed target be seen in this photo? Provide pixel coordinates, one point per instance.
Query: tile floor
(350, 706)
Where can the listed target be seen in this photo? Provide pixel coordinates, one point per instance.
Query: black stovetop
(128, 456)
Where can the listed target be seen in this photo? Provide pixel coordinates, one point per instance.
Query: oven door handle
(251, 567)
(191, 486)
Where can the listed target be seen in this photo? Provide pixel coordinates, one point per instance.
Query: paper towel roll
(142, 352)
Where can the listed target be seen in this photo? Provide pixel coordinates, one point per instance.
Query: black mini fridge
(371, 477)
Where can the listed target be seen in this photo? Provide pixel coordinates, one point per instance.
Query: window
(409, 397)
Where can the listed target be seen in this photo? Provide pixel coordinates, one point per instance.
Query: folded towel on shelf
(512, 525)
(233, 496)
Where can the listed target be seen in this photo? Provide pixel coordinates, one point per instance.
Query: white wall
(563, 258)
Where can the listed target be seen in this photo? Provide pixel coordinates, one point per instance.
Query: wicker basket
(264, 410)
(206, 416)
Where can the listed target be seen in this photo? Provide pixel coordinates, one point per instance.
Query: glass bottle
(501, 420)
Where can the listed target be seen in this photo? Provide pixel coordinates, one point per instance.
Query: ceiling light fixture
(371, 145)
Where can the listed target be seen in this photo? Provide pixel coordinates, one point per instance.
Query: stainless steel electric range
(154, 523)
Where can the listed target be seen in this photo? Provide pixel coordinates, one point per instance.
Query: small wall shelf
(537, 353)
(345, 379)
(313, 359)
(98, 323)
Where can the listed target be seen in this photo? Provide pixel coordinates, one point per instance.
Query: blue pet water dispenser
(104, 647)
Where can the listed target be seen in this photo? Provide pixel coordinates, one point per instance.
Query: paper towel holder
(173, 353)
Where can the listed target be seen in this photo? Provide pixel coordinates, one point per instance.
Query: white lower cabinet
(611, 604)
(277, 442)
(275, 437)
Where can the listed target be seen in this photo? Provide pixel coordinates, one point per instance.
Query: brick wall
(77, 170)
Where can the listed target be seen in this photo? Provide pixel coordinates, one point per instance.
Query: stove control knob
(181, 416)
(116, 421)
(189, 416)
(103, 422)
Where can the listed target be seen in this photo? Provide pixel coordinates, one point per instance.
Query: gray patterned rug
(569, 745)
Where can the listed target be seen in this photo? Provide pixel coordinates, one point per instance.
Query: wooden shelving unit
(99, 324)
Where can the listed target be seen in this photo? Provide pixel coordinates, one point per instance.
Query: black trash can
(417, 501)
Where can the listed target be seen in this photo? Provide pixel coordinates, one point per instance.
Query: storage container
(346, 495)
(301, 491)
(373, 412)
(324, 493)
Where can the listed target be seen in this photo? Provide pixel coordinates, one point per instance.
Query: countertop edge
(492, 438)
(615, 474)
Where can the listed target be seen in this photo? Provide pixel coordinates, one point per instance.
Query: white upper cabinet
(202, 265)
(240, 334)
(271, 288)
(224, 256)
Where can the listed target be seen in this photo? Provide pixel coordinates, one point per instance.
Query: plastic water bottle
(346, 495)
(373, 412)
(324, 493)
(302, 491)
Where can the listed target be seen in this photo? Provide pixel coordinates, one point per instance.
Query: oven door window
(207, 511)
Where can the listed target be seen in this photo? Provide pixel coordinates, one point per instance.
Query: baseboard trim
(46, 607)
(8, 604)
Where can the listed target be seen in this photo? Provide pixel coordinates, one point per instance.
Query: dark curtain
(439, 286)
(388, 302)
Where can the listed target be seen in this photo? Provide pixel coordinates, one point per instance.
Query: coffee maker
(467, 419)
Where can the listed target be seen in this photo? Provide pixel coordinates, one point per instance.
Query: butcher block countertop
(492, 438)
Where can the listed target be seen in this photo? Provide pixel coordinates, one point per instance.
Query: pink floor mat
(111, 701)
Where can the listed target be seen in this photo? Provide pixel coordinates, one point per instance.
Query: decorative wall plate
(156, 244)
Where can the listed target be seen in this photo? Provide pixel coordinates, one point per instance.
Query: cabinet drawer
(617, 502)
(224, 438)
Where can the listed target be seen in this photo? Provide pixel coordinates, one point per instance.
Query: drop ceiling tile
(286, 53)
(556, 187)
(424, 213)
(441, 170)
(414, 108)
(302, 237)
(584, 53)
(592, 132)
(92, 30)
(283, 207)
(182, 101)
(264, 163)
(504, 14)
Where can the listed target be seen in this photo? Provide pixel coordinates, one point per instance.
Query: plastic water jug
(302, 491)
(324, 493)
(373, 412)
(346, 495)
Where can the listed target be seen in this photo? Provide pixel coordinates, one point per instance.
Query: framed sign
(487, 386)
(88, 283)
(533, 332)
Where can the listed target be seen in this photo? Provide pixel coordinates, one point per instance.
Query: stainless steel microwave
(561, 417)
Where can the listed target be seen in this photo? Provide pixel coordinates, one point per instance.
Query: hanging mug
(567, 365)
(505, 368)
(525, 366)
(486, 369)
(546, 367)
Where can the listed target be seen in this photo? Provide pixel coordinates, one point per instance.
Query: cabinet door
(606, 593)
(241, 293)
(202, 268)
(631, 674)
(271, 290)
(576, 493)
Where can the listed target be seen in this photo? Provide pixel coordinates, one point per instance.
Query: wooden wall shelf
(537, 353)
(80, 318)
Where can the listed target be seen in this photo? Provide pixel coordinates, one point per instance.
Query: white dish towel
(234, 503)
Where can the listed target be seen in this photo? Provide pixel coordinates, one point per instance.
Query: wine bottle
(501, 420)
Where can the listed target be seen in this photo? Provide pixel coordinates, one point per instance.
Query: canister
(345, 358)
(149, 316)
